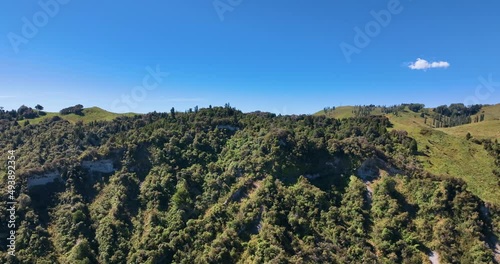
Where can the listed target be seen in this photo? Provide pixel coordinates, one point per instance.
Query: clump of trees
(363, 110)
(328, 109)
(77, 109)
(455, 115)
(457, 110)
(27, 112)
(415, 107)
(393, 109)
(23, 112)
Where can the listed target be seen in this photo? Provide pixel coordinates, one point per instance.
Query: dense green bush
(219, 186)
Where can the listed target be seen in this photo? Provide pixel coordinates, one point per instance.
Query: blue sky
(279, 56)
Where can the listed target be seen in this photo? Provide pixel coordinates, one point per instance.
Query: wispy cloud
(422, 64)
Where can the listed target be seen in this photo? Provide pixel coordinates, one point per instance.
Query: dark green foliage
(27, 112)
(416, 107)
(328, 109)
(219, 186)
(455, 115)
(394, 109)
(77, 109)
(363, 110)
(457, 110)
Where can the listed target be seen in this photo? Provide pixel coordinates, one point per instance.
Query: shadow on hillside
(420, 153)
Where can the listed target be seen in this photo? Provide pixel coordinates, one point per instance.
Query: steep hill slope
(446, 151)
(451, 155)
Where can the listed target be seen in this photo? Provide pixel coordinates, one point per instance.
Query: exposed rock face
(369, 193)
(104, 166)
(491, 239)
(258, 227)
(373, 168)
(48, 177)
(236, 196)
(434, 257)
(228, 127)
(368, 169)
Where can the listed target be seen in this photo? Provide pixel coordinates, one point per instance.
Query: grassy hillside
(446, 152)
(339, 112)
(451, 155)
(89, 115)
(491, 112)
(486, 129)
(490, 128)
(345, 112)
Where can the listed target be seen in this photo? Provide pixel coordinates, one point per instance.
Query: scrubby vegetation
(216, 185)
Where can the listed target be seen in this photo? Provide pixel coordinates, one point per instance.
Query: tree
(79, 107)
(416, 107)
(26, 112)
(172, 112)
(39, 107)
(82, 253)
(413, 146)
(22, 109)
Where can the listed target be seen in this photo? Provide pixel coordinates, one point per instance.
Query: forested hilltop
(216, 185)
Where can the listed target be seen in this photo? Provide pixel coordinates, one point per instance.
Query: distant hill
(491, 112)
(89, 114)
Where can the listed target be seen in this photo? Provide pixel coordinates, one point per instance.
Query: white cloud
(422, 64)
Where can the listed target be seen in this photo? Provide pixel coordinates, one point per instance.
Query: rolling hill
(446, 151)
(89, 114)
